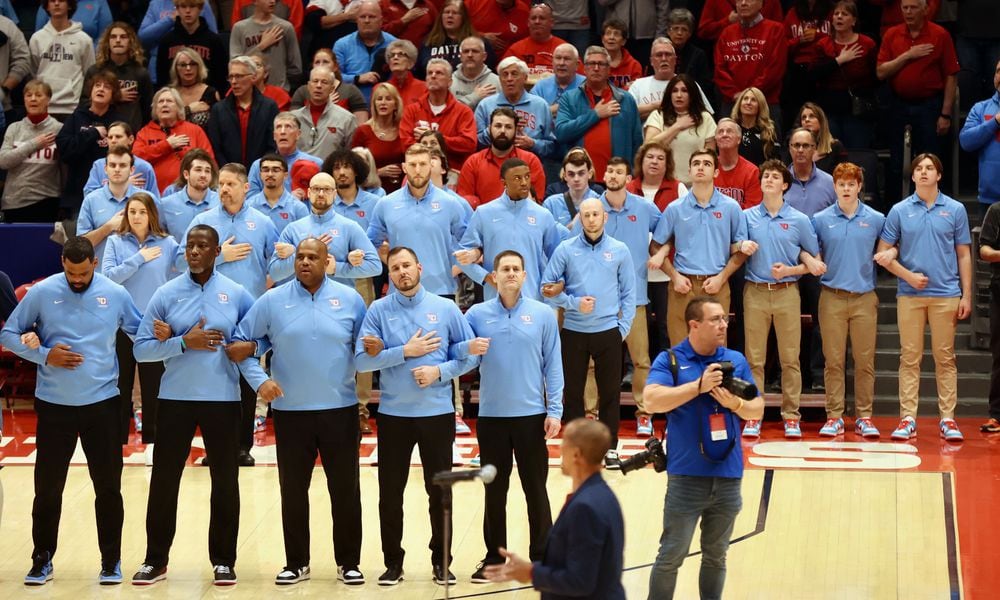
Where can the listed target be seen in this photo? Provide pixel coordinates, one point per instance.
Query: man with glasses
(705, 465)
(274, 200)
(327, 126)
(245, 111)
(192, 26)
(648, 91)
(598, 116)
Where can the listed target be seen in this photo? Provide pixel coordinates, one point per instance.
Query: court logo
(870, 456)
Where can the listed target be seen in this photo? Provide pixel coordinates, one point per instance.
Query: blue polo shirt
(87, 322)
(247, 226)
(548, 89)
(524, 343)
(603, 270)
(780, 239)
(98, 207)
(701, 235)
(432, 226)
(345, 234)
(556, 204)
(360, 211)
(125, 266)
(287, 209)
(504, 224)
(178, 210)
(813, 194)
(927, 238)
(297, 323)
(632, 225)
(690, 445)
(257, 184)
(848, 246)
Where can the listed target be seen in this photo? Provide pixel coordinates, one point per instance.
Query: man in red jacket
(752, 52)
(440, 111)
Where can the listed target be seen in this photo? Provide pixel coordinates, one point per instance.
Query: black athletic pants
(434, 436)
(501, 440)
(149, 389)
(175, 428)
(605, 347)
(334, 435)
(58, 428)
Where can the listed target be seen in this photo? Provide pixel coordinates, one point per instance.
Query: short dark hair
(125, 127)
(274, 157)
(927, 156)
(189, 158)
(212, 233)
(504, 111)
(773, 164)
(351, 159)
(78, 249)
(400, 249)
(593, 438)
(505, 254)
(122, 150)
(107, 76)
(71, 4)
(617, 160)
(694, 310)
(617, 25)
(511, 163)
(705, 152)
(236, 169)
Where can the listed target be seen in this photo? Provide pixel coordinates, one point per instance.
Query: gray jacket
(15, 60)
(464, 88)
(33, 173)
(334, 130)
(645, 19)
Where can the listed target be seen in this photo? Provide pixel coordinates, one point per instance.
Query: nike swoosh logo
(685, 367)
(179, 300)
(577, 253)
(392, 318)
(491, 321)
(177, 212)
(289, 306)
(57, 301)
(495, 220)
(831, 226)
(687, 218)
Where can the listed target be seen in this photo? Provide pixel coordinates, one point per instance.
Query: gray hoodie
(32, 172)
(14, 60)
(464, 88)
(60, 58)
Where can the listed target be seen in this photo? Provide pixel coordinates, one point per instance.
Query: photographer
(705, 460)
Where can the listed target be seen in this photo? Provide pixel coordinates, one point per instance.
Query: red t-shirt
(667, 193)
(538, 56)
(597, 140)
(924, 77)
(859, 73)
(892, 13)
(244, 116)
(415, 31)
(741, 184)
(627, 71)
(384, 152)
(487, 17)
(411, 91)
(805, 53)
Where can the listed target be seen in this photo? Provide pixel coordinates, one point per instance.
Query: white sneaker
(148, 452)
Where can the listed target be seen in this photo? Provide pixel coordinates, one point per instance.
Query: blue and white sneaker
(41, 571)
(259, 423)
(461, 428)
(950, 431)
(137, 416)
(112, 575)
(750, 430)
(475, 461)
(792, 429)
(833, 428)
(865, 428)
(907, 429)
(643, 427)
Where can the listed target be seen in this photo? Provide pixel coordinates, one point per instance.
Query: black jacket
(223, 130)
(209, 47)
(80, 144)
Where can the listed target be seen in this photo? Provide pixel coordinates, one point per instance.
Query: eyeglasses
(238, 76)
(398, 54)
(802, 146)
(716, 320)
(322, 191)
(664, 54)
(187, 65)
(596, 64)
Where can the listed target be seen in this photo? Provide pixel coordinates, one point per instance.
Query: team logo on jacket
(251, 225)
(332, 129)
(431, 317)
(335, 232)
(718, 214)
(435, 206)
(223, 298)
(284, 216)
(609, 256)
(360, 213)
(102, 301)
(631, 218)
(335, 303)
(784, 226)
(863, 224)
(526, 319)
(944, 213)
(531, 220)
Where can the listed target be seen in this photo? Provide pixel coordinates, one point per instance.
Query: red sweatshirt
(741, 184)
(456, 123)
(415, 31)
(151, 144)
(479, 182)
(487, 17)
(715, 16)
(751, 57)
(805, 53)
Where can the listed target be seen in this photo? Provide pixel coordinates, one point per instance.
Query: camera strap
(674, 369)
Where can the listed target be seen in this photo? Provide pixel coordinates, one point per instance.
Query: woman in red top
(168, 137)
(845, 69)
(380, 134)
(624, 68)
(654, 165)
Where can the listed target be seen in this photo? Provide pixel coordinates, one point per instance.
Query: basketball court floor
(821, 519)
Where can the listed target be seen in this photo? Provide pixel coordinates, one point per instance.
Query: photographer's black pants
(605, 347)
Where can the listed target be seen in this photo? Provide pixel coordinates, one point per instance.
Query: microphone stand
(446, 501)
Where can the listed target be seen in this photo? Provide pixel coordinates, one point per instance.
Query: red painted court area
(974, 466)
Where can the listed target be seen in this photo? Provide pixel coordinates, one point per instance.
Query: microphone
(487, 473)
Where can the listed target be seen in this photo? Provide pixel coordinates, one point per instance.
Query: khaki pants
(677, 304)
(912, 313)
(843, 314)
(780, 306)
(363, 381)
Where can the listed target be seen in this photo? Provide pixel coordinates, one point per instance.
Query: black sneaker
(288, 575)
(41, 571)
(393, 575)
(224, 575)
(148, 575)
(480, 575)
(439, 576)
(611, 462)
(110, 574)
(351, 575)
(245, 460)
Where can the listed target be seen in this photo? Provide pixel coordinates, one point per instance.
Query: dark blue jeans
(716, 501)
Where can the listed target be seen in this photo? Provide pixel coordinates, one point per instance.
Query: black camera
(652, 454)
(736, 386)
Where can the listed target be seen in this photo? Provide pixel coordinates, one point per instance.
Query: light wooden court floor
(802, 534)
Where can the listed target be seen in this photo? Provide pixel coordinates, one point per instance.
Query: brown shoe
(366, 427)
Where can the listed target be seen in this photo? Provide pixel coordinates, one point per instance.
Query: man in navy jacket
(579, 562)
